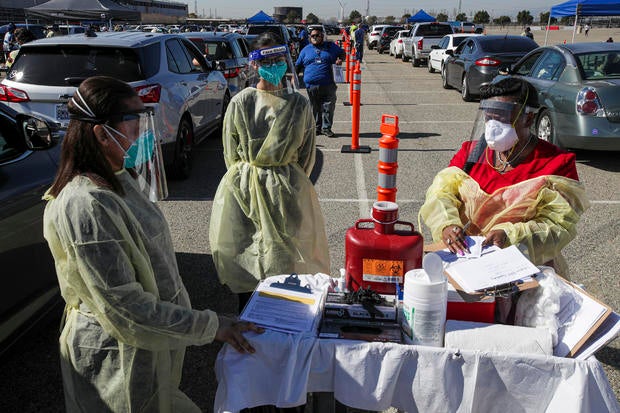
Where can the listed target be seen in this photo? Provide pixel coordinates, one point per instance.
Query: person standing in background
(316, 61)
(359, 36)
(9, 44)
(266, 218)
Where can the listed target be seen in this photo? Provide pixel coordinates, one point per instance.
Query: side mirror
(37, 133)
(449, 52)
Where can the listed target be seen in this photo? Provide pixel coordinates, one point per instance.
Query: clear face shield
(276, 66)
(495, 127)
(143, 158)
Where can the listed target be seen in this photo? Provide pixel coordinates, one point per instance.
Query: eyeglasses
(314, 36)
(129, 116)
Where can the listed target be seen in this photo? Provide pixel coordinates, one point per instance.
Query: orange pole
(347, 51)
(388, 156)
(352, 61)
(355, 107)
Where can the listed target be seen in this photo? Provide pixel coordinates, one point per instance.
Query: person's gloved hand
(495, 237)
(230, 331)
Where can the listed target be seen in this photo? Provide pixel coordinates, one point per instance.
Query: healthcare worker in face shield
(507, 184)
(128, 316)
(266, 218)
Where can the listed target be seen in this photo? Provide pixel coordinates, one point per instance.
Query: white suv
(168, 72)
(374, 34)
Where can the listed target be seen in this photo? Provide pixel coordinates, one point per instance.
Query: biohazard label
(383, 271)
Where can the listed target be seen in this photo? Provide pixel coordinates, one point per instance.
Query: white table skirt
(375, 376)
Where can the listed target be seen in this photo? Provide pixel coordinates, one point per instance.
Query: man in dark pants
(316, 61)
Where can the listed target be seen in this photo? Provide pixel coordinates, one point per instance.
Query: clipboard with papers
(492, 272)
(283, 303)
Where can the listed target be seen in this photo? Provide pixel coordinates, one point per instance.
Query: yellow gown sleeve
(230, 134)
(307, 151)
(558, 206)
(442, 203)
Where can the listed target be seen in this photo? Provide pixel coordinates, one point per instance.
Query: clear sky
(326, 9)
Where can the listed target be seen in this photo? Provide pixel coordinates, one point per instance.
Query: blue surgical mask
(140, 151)
(274, 73)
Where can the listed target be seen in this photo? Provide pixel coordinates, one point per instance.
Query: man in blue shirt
(316, 61)
(358, 38)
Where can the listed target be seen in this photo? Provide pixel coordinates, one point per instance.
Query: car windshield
(512, 44)
(599, 65)
(390, 31)
(52, 65)
(434, 30)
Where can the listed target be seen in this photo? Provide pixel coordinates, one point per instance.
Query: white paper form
(283, 310)
(577, 319)
(607, 332)
(490, 270)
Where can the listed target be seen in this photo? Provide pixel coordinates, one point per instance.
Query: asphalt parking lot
(433, 122)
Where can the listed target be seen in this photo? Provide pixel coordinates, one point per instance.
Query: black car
(387, 34)
(280, 30)
(476, 61)
(28, 163)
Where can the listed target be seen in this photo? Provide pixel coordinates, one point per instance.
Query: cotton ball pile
(541, 307)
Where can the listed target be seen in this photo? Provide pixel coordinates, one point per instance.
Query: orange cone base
(359, 149)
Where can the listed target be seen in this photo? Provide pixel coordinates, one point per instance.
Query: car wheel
(544, 128)
(444, 78)
(465, 90)
(182, 164)
(415, 62)
(430, 67)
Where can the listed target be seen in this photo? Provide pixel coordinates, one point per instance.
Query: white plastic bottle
(424, 307)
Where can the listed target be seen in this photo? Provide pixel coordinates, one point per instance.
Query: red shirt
(545, 159)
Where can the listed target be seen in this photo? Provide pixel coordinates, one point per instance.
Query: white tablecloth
(375, 376)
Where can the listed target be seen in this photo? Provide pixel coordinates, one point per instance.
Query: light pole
(341, 10)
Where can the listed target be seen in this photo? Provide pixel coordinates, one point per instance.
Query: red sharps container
(379, 256)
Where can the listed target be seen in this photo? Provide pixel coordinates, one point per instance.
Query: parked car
(168, 72)
(374, 34)
(230, 53)
(475, 62)
(423, 36)
(579, 93)
(396, 45)
(29, 154)
(387, 34)
(467, 27)
(437, 56)
(279, 30)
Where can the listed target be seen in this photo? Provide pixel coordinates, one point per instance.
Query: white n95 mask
(499, 136)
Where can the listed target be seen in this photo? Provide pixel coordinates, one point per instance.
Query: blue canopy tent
(579, 8)
(261, 17)
(420, 17)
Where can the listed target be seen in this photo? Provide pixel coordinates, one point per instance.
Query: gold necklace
(504, 164)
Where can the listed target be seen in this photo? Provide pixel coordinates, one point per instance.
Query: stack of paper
(501, 267)
(281, 309)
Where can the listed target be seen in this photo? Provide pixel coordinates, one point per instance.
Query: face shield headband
(270, 68)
